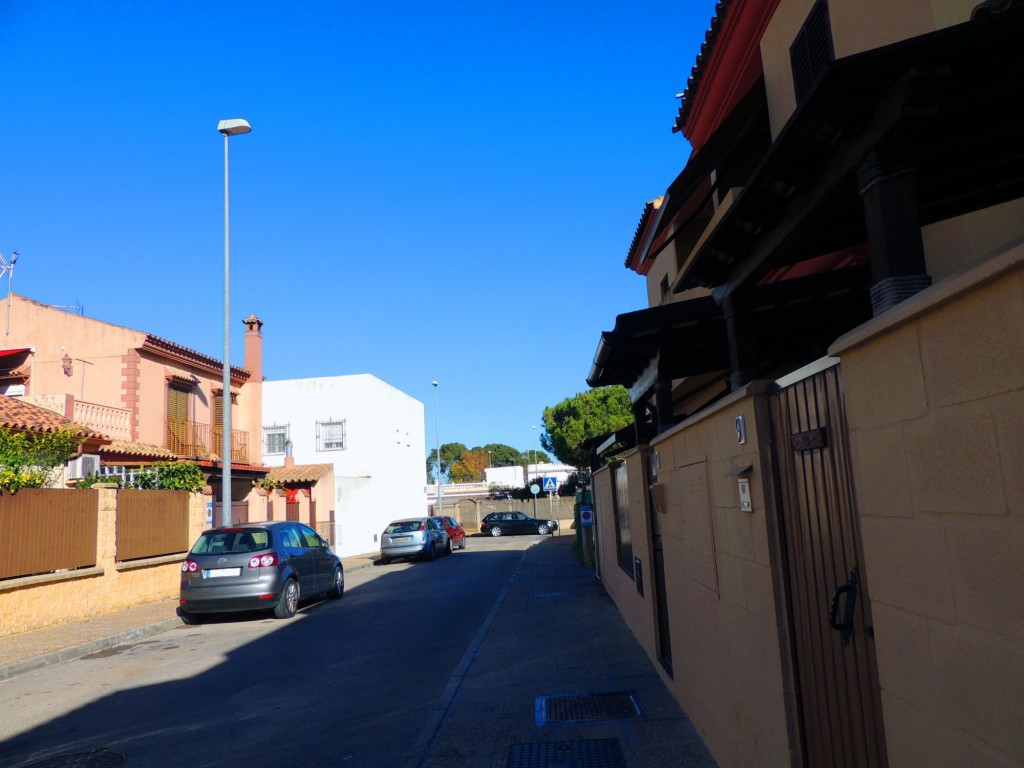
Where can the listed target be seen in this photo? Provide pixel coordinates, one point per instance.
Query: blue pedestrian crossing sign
(550, 484)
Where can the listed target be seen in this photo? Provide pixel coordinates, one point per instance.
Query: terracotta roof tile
(24, 417)
(138, 450)
(300, 473)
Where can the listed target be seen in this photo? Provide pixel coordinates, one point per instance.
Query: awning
(5, 354)
(795, 321)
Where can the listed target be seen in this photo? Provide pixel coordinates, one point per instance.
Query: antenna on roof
(8, 267)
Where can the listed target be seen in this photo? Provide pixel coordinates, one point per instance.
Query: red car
(458, 535)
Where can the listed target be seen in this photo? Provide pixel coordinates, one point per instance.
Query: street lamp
(8, 267)
(437, 439)
(229, 128)
(534, 427)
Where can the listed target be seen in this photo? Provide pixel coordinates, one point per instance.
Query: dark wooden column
(739, 327)
(886, 184)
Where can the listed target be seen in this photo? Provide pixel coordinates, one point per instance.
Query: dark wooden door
(833, 645)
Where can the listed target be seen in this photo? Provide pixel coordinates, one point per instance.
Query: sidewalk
(555, 678)
(29, 651)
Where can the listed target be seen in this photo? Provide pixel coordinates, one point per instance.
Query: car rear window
(229, 542)
(404, 526)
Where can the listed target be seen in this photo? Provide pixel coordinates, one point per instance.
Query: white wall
(381, 474)
(510, 476)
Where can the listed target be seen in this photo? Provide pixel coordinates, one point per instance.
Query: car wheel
(190, 618)
(495, 531)
(542, 529)
(450, 547)
(337, 585)
(289, 602)
(385, 560)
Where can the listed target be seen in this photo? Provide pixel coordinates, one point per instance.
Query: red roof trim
(728, 65)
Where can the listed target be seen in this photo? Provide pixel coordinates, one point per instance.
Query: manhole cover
(98, 758)
(588, 706)
(585, 753)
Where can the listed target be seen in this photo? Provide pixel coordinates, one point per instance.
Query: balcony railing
(115, 423)
(190, 438)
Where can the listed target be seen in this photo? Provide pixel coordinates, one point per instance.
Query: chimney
(289, 461)
(254, 347)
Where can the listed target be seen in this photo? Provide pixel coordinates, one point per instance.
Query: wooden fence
(46, 530)
(151, 523)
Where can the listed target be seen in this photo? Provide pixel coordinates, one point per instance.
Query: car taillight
(264, 561)
(189, 566)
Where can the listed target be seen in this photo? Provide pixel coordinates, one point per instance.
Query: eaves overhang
(794, 321)
(949, 99)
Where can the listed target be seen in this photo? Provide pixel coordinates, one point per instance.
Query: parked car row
(271, 566)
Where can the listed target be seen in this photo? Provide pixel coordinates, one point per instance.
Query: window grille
(275, 439)
(330, 435)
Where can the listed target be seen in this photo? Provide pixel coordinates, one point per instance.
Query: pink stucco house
(155, 399)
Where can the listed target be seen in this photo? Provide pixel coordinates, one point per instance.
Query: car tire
(337, 584)
(543, 530)
(385, 560)
(450, 548)
(191, 618)
(495, 530)
(288, 604)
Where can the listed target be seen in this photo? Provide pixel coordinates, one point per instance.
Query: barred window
(275, 439)
(330, 435)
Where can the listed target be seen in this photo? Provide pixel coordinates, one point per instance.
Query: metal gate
(833, 645)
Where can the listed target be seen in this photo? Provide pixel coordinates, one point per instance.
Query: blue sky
(440, 190)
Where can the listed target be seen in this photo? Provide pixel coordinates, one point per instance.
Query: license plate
(401, 538)
(216, 573)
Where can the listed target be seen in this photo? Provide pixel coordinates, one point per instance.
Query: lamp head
(234, 127)
(434, 383)
(14, 258)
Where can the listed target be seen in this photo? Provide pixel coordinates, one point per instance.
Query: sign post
(550, 486)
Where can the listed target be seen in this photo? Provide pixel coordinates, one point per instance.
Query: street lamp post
(8, 267)
(437, 439)
(228, 128)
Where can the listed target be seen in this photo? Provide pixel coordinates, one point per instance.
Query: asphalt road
(349, 682)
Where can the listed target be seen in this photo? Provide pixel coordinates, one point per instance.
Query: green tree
(28, 459)
(502, 455)
(582, 417)
(450, 453)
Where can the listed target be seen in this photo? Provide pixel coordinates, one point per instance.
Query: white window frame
(331, 435)
(274, 430)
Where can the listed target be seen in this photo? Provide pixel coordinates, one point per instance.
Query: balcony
(192, 439)
(115, 423)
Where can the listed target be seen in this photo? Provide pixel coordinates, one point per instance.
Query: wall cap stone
(10, 585)
(148, 562)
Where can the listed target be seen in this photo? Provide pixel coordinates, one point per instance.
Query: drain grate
(555, 593)
(587, 706)
(97, 758)
(584, 753)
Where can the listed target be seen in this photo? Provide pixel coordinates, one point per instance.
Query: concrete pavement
(553, 677)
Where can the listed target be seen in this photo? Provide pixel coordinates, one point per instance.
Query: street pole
(228, 128)
(437, 439)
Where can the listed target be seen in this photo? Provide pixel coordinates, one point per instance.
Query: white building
(512, 477)
(371, 432)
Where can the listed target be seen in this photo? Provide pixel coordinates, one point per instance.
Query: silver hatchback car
(414, 537)
(261, 566)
